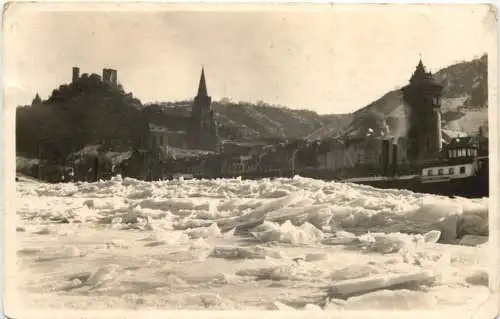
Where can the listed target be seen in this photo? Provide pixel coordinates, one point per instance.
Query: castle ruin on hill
(108, 75)
(198, 130)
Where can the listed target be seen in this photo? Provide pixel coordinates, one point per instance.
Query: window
(450, 153)
(429, 172)
(451, 170)
(469, 152)
(474, 152)
(435, 100)
(462, 169)
(161, 140)
(455, 153)
(440, 171)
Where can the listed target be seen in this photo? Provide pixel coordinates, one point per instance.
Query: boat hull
(476, 186)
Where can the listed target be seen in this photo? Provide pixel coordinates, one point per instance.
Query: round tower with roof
(422, 96)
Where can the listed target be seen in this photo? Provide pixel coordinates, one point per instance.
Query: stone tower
(76, 74)
(109, 76)
(203, 133)
(423, 98)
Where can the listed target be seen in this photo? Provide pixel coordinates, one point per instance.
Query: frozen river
(284, 244)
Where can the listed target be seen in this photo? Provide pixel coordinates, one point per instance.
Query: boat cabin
(462, 147)
(442, 171)
(459, 160)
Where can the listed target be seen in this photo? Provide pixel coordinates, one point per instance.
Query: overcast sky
(331, 59)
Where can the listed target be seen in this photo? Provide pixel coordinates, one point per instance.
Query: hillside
(88, 111)
(464, 104)
(263, 120)
(245, 120)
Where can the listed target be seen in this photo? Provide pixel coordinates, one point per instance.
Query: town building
(158, 137)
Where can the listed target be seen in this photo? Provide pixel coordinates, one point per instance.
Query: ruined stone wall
(110, 76)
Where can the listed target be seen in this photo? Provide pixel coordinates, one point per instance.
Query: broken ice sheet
(211, 231)
(287, 233)
(69, 251)
(357, 286)
(290, 271)
(402, 299)
(316, 259)
(253, 252)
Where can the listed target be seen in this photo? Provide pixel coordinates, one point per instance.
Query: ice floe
(281, 244)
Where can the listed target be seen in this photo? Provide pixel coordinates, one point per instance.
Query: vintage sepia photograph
(291, 157)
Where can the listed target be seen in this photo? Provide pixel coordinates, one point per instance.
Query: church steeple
(203, 133)
(202, 87)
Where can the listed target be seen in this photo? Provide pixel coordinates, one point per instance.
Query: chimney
(394, 165)
(385, 157)
(76, 74)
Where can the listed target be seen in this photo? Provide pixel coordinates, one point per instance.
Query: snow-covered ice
(282, 244)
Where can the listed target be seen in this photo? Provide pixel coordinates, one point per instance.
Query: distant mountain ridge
(246, 120)
(464, 105)
(90, 111)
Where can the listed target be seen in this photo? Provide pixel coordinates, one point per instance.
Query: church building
(202, 133)
(193, 127)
